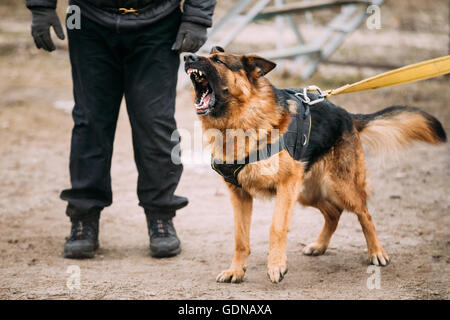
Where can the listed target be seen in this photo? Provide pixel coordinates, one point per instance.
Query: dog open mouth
(204, 94)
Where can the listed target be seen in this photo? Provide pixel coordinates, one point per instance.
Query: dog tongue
(204, 103)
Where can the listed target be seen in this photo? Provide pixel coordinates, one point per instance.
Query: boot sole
(80, 253)
(164, 254)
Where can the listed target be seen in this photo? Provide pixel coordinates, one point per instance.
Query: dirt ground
(410, 202)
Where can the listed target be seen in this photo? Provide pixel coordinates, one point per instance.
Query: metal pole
(243, 22)
(312, 64)
(279, 27)
(236, 10)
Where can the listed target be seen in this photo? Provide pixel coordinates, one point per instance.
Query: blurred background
(410, 202)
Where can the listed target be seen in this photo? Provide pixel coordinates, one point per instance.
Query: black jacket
(196, 11)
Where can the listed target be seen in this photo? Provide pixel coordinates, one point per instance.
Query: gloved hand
(43, 19)
(190, 37)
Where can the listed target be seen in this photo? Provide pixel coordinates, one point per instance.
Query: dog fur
(332, 175)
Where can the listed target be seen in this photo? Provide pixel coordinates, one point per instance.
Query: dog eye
(215, 59)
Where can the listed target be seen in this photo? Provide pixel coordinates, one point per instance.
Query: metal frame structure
(353, 13)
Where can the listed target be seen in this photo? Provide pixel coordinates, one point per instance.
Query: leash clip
(130, 10)
(304, 95)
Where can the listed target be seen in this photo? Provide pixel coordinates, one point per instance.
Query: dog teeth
(197, 73)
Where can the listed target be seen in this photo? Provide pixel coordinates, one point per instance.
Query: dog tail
(397, 127)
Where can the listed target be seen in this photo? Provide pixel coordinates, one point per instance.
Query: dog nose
(190, 57)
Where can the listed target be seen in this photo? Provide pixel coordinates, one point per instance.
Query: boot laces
(160, 228)
(82, 230)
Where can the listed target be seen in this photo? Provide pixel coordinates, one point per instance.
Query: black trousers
(107, 64)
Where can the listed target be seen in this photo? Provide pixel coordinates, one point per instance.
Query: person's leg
(98, 90)
(151, 69)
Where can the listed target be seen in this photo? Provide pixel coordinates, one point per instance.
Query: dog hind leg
(354, 200)
(331, 214)
(377, 255)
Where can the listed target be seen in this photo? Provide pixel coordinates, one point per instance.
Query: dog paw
(231, 275)
(379, 258)
(314, 249)
(276, 272)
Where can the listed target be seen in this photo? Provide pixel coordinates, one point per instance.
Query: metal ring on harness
(304, 95)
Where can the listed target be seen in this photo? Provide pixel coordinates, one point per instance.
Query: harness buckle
(130, 10)
(304, 95)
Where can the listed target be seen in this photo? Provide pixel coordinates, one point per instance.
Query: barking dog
(231, 92)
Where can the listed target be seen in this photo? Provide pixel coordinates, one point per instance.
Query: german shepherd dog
(231, 92)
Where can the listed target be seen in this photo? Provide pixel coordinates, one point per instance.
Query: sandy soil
(410, 207)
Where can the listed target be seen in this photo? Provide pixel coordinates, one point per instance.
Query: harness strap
(295, 140)
(230, 171)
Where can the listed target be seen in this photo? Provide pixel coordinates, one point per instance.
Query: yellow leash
(411, 73)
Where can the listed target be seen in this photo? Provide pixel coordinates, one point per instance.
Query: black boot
(83, 239)
(164, 241)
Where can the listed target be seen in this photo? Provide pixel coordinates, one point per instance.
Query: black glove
(190, 37)
(43, 19)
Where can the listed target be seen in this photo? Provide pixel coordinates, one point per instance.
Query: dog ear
(216, 49)
(256, 66)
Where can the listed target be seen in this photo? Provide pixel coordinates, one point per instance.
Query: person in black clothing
(129, 48)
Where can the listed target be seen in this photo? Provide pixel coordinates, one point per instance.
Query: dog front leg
(277, 260)
(242, 204)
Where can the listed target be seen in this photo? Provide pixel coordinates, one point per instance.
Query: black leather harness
(295, 140)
